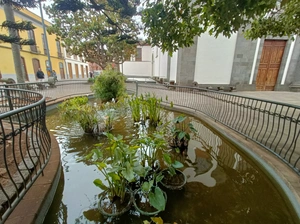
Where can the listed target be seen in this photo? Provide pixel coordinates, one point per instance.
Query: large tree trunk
(9, 13)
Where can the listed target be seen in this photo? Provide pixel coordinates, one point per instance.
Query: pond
(223, 186)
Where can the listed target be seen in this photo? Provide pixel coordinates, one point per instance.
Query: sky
(37, 11)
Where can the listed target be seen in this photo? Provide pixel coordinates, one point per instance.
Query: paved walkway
(279, 96)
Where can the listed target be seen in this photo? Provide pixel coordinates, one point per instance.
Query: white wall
(214, 59)
(137, 68)
(173, 66)
(163, 68)
(146, 53)
(73, 62)
(160, 63)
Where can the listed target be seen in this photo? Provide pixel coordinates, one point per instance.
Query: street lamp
(45, 36)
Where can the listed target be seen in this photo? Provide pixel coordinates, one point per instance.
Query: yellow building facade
(32, 57)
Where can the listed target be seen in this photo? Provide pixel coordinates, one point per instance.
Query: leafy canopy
(103, 33)
(172, 24)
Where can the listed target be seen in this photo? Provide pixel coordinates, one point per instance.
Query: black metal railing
(53, 91)
(24, 145)
(274, 126)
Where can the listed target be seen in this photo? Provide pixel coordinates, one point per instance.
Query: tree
(14, 28)
(102, 39)
(172, 24)
(101, 31)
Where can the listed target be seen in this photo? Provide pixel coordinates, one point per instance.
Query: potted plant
(180, 133)
(173, 179)
(149, 199)
(117, 168)
(149, 147)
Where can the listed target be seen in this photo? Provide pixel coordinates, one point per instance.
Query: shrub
(110, 84)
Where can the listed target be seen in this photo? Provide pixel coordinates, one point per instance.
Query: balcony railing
(60, 54)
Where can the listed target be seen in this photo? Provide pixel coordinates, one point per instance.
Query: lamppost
(45, 36)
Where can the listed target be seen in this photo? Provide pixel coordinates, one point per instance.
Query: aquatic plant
(110, 84)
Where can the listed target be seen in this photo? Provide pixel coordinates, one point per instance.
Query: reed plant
(135, 107)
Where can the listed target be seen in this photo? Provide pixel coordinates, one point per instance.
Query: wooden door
(76, 71)
(82, 71)
(36, 66)
(70, 71)
(269, 64)
(61, 70)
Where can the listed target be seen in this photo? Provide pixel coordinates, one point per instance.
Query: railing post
(9, 99)
(136, 88)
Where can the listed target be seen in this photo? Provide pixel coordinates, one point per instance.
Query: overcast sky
(37, 10)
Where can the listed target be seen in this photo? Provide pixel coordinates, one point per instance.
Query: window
(44, 44)
(59, 53)
(138, 56)
(33, 48)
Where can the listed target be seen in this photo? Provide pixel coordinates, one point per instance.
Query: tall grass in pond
(146, 107)
(135, 107)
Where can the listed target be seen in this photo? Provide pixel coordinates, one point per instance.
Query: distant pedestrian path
(278, 96)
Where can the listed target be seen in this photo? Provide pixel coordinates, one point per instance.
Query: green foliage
(108, 36)
(78, 110)
(172, 165)
(180, 132)
(110, 84)
(135, 107)
(125, 8)
(16, 27)
(153, 192)
(91, 80)
(282, 21)
(21, 3)
(117, 166)
(149, 147)
(146, 107)
(171, 25)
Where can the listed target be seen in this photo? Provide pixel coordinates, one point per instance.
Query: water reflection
(223, 186)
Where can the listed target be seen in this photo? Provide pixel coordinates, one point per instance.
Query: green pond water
(222, 185)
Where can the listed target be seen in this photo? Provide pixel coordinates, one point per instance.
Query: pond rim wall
(281, 176)
(285, 180)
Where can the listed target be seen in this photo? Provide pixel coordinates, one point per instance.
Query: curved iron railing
(24, 145)
(274, 126)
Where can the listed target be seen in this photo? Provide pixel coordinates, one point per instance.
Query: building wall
(146, 53)
(186, 64)
(173, 66)
(243, 62)
(57, 58)
(139, 68)
(293, 75)
(244, 65)
(214, 59)
(76, 61)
